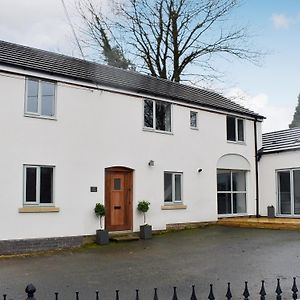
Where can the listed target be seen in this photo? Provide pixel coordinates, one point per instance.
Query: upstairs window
(157, 115)
(38, 185)
(193, 119)
(40, 97)
(235, 129)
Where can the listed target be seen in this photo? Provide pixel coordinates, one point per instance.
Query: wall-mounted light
(151, 163)
(199, 170)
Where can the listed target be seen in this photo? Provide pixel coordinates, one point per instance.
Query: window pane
(168, 187)
(284, 192)
(224, 203)
(47, 106)
(32, 96)
(117, 184)
(239, 181)
(239, 203)
(224, 180)
(46, 185)
(231, 129)
(296, 174)
(30, 185)
(177, 187)
(193, 119)
(163, 116)
(148, 113)
(48, 98)
(241, 130)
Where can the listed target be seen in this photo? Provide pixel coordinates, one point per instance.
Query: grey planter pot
(271, 211)
(102, 237)
(146, 232)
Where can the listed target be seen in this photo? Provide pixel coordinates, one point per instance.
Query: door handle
(117, 207)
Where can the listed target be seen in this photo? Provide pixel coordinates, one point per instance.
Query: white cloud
(36, 23)
(278, 116)
(281, 21)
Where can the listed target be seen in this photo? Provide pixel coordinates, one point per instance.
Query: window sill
(40, 117)
(194, 128)
(157, 131)
(173, 206)
(38, 209)
(237, 142)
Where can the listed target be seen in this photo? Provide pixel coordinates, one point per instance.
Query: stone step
(123, 236)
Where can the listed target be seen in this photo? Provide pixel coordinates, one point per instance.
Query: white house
(75, 133)
(280, 173)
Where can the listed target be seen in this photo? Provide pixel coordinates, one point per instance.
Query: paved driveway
(200, 256)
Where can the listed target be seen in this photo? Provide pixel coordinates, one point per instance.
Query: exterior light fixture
(199, 170)
(151, 163)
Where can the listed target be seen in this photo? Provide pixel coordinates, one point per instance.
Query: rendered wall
(98, 129)
(268, 166)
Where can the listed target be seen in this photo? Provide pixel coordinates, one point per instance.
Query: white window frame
(292, 214)
(236, 119)
(153, 128)
(37, 188)
(232, 192)
(39, 113)
(174, 201)
(195, 112)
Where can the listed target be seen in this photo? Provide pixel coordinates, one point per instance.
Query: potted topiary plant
(101, 234)
(145, 229)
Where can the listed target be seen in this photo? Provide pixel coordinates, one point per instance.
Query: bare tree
(167, 37)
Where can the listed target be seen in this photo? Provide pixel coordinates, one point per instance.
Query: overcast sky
(271, 89)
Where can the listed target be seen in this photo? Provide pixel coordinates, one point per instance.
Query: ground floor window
(172, 187)
(38, 185)
(231, 187)
(289, 192)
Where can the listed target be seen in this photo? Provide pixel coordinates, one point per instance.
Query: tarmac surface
(213, 254)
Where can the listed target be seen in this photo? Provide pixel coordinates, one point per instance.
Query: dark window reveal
(157, 115)
(193, 119)
(38, 185)
(235, 129)
(46, 185)
(172, 187)
(148, 113)
(30, 184)
(163, 116)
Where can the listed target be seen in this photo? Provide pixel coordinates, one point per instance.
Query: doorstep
(123, 236)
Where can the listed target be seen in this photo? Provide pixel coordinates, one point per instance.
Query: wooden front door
(118, 199)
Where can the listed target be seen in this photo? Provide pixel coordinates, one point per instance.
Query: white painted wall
(268, 166)
(98, 129)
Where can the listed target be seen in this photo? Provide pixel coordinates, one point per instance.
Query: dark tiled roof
(86, 71)
(282, 140)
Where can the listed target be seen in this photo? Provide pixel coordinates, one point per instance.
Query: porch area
(261, 222)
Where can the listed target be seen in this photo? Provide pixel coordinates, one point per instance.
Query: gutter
(256, 169)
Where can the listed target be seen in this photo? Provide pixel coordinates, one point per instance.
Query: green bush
(143, 207)
(100, 212)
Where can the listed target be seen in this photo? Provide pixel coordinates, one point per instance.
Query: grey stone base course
(8, 247)
(188, 225)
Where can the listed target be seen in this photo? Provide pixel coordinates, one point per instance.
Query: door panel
(118, 199)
